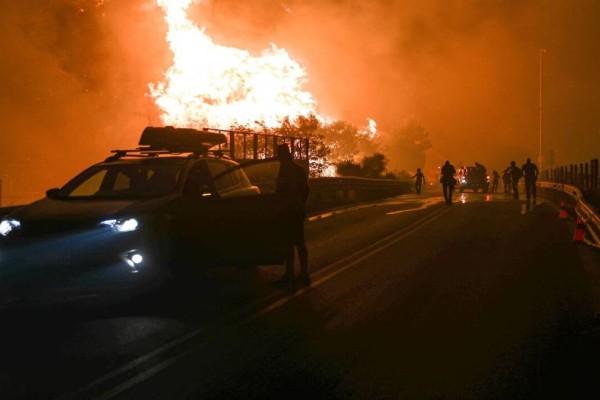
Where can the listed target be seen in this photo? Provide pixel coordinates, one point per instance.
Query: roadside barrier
(582, 209)
(330, 192)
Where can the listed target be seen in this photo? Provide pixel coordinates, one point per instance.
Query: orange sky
(74, 74)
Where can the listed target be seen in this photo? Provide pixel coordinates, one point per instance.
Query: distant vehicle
(166, 209)
(473, 178)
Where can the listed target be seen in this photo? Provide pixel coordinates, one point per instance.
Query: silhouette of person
(530, 172)
(515, 175)
(448, 181)
(420, 179)
(495, 180)
(506, 180)
(292, 185)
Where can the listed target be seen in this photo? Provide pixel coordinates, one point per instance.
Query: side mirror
(205, 191)
(52, 192)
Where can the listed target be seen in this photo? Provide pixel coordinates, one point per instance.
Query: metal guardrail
(582, 208)
(349, 182)
(330, 192)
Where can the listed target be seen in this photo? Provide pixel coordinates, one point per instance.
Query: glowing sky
(75, 73)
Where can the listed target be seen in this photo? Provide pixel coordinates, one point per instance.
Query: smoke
(467, 69)
(72, 86)
(74, 73)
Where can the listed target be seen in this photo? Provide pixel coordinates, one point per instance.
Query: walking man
(420, 179)
(506, 180)
(530, 172)
(515, 174)
(495, 179)
(292, 185)
(448, 181)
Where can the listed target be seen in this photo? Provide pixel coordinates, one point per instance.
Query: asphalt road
(410, 299)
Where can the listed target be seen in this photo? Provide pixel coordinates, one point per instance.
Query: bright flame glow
(218, 86)
(372, 127)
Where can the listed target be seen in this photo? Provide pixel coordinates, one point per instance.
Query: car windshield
(124, 181)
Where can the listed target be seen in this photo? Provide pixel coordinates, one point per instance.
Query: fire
(372, 128)
(218, 86)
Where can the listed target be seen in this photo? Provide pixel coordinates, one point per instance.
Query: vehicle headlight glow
(8, 225)
(122, 225)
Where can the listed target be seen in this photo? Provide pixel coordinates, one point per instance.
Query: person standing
(506, 180)
(530, 172)
(448, 181)
(515, 174)
(292, 185)
(495, 180)
(419, 180)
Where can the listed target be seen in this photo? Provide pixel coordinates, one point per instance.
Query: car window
(198, 177)
(226, 182)
(90, 186)
(233, 182)
(262, 174)
(124, 181)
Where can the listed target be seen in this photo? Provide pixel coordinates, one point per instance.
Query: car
(473, 178)
(160, 212)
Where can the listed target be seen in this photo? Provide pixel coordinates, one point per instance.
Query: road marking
(321, 216)
(427, 203)
(134, 378)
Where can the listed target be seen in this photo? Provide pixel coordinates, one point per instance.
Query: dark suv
(165, 209)
(473, 178)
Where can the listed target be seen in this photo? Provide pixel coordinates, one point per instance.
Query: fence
(335, 191)
(583, 176)
(253, 146)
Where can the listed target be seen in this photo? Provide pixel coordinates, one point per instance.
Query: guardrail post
(232, 145)
(306, 143)
(586, 183)
(570, 180)
(595, 174)
(255, 146)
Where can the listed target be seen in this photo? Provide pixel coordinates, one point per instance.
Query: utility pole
(540, 157)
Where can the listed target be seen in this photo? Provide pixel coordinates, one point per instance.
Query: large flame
(218, 86)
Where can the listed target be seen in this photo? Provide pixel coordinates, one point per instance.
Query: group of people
(512, 174)
(292, 185)
(510, 177)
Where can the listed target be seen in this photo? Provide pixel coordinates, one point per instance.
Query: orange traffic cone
(562, 214)
(579, 230)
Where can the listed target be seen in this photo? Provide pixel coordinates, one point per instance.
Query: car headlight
(8, 225)
(122, 225)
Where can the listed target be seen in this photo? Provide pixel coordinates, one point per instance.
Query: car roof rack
(155, 141)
